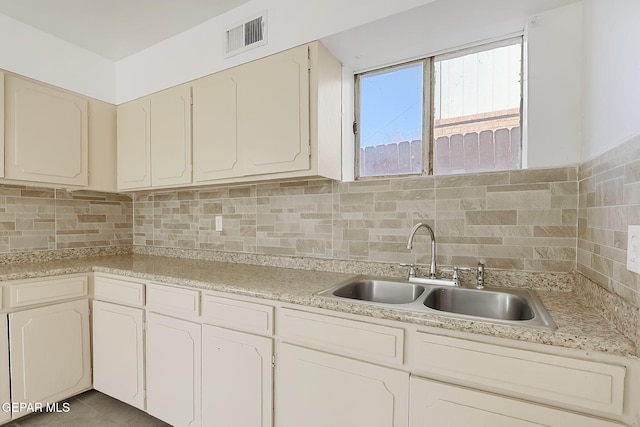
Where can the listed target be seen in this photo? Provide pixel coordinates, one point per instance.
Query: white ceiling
(115, 28)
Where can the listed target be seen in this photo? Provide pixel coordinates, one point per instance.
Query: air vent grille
(247, 35)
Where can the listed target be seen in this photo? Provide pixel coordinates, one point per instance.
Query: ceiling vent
(251, 33)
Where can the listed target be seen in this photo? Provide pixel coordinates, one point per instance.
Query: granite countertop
(579, 325)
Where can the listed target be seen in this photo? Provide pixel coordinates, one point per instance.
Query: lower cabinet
(237, 378)
(438, 404)
(173, 363)
(118, 352)
(5, 394)
(50, 352)
(315, 389)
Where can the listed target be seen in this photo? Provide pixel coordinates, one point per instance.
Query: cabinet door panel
(173, 370)
(134, 144)
(2, 124)
(118, 352)
(47, 134)
(5, 396)
(438, 404)
(236, 378)
(50, 352)
(315, 389)
(215, 144)
(273, 113)
(171, 137)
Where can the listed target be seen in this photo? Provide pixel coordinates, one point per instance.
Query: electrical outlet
(218, 222)
(633, 249)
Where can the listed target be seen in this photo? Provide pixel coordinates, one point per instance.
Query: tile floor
(91, 409)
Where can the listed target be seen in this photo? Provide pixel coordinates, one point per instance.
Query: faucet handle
(456, 271)
(412, 269)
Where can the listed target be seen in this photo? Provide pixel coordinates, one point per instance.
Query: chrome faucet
(432, 269)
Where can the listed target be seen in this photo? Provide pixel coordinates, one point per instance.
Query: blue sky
(391, 106)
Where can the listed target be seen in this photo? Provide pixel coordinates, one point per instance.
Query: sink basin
(379, 291)
(510, 306)
(480, 303)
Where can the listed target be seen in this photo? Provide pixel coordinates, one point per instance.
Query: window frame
(428, 110)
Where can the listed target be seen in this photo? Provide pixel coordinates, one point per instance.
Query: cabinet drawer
(177, 300)
(542, 377)
(238, 314)
(342, 336)
(47, 290)
(119, 291)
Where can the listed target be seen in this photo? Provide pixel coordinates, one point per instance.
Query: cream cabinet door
(315, 389)
(215, 144)
(273, 112)
(171, 137)
(5, 394)
(173, 363)
(237, 378)
(2, 119)
(47, 135)
(50, 352)
(118, 352)
(438, 404)
(134, 144)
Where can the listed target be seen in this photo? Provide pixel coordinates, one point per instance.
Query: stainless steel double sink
(521, 307)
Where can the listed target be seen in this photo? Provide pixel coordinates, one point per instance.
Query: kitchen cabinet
(154, 140)
(5, 392)
(102, 146)
(273, 112)
(173, 367)
(118, 352)
(216, 153)
(276, 117)
(2, 120)
(46, 134)
(50, 352)
(316, 389)
(134, 144)
(236, 378)
(171, 137)
(439, 404)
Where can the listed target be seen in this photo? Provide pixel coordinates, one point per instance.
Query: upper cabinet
(1, 124)
(154, 140)
(46, 135)
(277, 117)
(273, 113)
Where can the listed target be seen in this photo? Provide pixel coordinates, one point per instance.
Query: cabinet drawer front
(342, 336)
(438, 404)
(544, 377)
(238, 314)
(167, 298)
(49, 290)
(117, 290)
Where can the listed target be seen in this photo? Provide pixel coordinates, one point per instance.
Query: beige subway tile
(489, 178)
(540, 217)
(549, 265)
(539, 175)
(519, 200)
(501, 217)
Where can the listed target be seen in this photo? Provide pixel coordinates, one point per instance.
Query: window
(452, 113)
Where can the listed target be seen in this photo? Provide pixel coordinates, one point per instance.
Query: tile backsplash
(520, 220)
(42, 219)
(609, 201)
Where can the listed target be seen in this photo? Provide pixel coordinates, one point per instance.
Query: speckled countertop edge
(579, 325)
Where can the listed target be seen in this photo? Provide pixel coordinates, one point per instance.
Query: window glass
(477, 111)
(466, 118)
(391, 115)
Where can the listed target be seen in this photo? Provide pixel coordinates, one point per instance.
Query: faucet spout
(432, 269)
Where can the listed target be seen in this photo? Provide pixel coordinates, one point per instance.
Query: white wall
(553, 82)
(611, 88)
(30, 52)
(200, 50)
